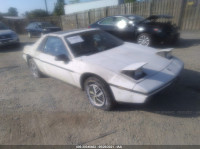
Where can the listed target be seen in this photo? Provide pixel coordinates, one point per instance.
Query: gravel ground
(49, 112)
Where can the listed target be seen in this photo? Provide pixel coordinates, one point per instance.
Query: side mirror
(62, 57)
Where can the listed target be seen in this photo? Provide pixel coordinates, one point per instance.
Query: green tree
(12, 11)
(74, 1)
(129, 1)
(37, 13)
(59, 8)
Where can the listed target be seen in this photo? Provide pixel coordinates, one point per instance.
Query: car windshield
(91, 42)
(45, 24)
(3, 26)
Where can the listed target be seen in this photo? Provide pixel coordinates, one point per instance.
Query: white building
(84, 6)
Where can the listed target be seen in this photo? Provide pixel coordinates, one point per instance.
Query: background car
(145, 31)
(40, 28)
(108, 69)
(7, 36)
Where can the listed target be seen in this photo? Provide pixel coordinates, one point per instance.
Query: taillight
(89, 27)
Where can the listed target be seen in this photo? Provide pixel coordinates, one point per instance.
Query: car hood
(8, 31)
(125, 56)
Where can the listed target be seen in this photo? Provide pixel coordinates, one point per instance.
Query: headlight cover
(165, 54)
(135, 74)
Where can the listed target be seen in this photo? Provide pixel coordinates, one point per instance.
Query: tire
(34, 69)
(30, 35)
(99, 94)
(144, 39)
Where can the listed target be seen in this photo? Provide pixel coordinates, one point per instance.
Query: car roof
(70, 32)
(125, 15)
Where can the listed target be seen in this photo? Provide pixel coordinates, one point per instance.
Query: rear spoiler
(134, 67)
(155, 17)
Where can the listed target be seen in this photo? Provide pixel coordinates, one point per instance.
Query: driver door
(123, 28)
(61, 70)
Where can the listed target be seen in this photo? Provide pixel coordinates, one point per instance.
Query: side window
(30, 25)
(107, 21)
(36, 26)
(120, 22)
(42, 44)
(119, 19)
(54, 46)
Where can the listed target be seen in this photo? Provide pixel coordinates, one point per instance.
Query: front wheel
(34, 69)
(98, 93)
(144, 39)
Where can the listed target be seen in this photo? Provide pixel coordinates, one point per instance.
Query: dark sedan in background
(40, 28)
(7, 36)
(144, 31)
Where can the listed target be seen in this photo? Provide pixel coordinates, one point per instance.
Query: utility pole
(46, 5)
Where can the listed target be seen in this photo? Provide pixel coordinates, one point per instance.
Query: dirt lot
(48, 111)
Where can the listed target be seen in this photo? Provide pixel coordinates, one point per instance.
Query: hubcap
(33, 68)
(143, 40)
(96, 95)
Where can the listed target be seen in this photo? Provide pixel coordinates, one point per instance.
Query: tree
(12, 11)
(59, 8)
(74, 1)
(129, 1)
(37, 13)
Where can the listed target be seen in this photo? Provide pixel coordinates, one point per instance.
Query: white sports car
(108, 69)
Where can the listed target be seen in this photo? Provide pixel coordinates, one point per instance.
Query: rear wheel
(99, 93)
(144, 39)
(34, 69)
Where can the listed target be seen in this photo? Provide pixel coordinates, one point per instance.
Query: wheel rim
(96, 95)
(33, 68)
(29, 34)
(143, 40)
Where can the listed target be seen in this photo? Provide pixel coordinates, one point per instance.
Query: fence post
(89, 20)
(61, 22)
(106, 11)
(77, 26)
(180, 17)
(150, 7)
(125, 8)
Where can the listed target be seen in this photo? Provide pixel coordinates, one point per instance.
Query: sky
(27, 5)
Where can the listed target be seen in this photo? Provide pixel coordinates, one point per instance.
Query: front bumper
(9, 41)
(151, 85)
(167, 37)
